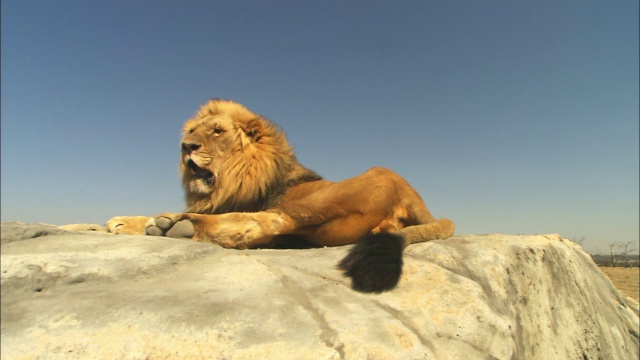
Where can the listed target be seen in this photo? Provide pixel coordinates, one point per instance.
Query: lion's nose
(190, 147)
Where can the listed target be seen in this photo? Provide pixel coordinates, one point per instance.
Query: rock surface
(93, 295)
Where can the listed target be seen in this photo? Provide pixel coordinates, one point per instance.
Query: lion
(245, 189)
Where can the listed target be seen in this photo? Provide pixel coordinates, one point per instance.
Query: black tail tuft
(374, 264)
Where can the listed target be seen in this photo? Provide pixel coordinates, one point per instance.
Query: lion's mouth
(200, 173)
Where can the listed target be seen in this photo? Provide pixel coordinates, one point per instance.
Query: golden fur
(244, 188)
(251, 169)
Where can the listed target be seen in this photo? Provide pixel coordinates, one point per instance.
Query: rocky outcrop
(90, 295)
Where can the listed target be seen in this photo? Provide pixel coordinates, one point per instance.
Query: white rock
(80, 295)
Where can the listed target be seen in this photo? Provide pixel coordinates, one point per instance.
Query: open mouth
(200, 173)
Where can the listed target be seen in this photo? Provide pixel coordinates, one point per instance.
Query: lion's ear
(254, 129)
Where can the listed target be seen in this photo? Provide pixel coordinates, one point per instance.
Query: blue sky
(507, 117)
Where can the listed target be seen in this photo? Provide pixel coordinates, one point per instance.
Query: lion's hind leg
(438, 229)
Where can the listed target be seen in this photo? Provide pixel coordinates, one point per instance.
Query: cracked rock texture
(94, 295)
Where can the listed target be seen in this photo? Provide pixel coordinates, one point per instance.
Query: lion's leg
(131, 225)
(231, 230)
(374, 264)
(425, 226)
(438, 229)
(83, 227)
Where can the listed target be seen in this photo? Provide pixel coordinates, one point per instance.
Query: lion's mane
(256, 171)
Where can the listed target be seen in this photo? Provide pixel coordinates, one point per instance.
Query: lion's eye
(217, 131)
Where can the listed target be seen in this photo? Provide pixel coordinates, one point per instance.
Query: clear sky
(506, 116)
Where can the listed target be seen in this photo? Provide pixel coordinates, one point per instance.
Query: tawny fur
(257, 169)
(244, 188)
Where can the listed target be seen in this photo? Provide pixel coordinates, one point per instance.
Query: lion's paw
(129, 225)
(171, 225)
(83, 227)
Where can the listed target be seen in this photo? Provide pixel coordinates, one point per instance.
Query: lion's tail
(374, 264)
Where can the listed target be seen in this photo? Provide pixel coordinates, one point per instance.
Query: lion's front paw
(171, 225)
(83, 227)
(130, 225)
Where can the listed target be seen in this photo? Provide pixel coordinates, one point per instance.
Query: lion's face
(219, 132)
(205, 145)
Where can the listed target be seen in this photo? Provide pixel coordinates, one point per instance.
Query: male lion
(244, 188)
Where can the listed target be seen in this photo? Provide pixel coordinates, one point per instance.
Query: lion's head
(233, 160)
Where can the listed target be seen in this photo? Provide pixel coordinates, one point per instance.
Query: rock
(15, 231)
(83, 295)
